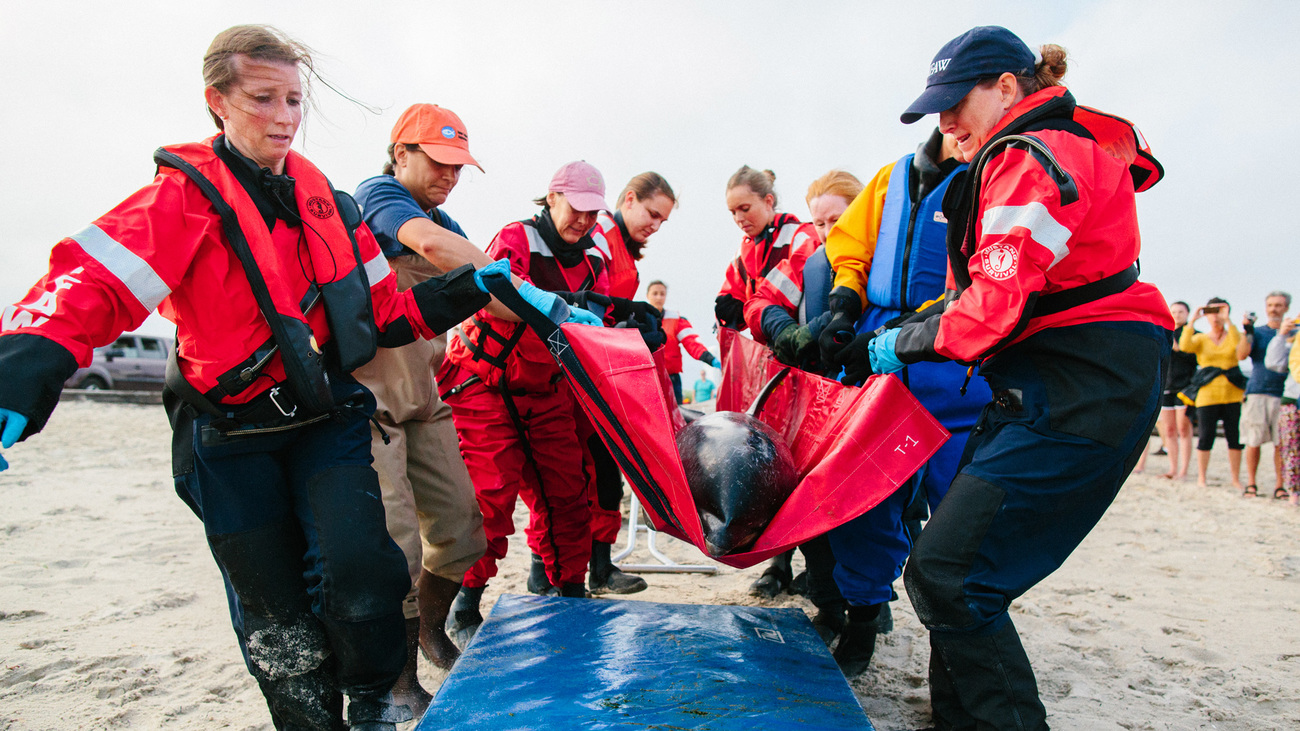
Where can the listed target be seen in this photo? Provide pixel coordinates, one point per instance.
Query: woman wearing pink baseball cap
(514, 413)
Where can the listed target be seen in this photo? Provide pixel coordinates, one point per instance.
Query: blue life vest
(907, 272)
(911, 260)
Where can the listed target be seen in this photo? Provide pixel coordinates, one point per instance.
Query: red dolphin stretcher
(852, 446)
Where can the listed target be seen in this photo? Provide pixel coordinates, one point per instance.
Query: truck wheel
(94, 383)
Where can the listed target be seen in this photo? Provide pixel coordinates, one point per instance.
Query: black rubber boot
(776, 577)
(857, 641)
(538, 582)
(407, 691)
(606, 578)
(799, 584)
(988, 679)
(830, 621)
(370, 713)
(573, 591)
(885, 621)
(465, 618)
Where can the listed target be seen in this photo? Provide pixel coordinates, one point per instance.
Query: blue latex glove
(12, 425)
(883, 357)
(584, 317)
(555, 308)
(500, 266)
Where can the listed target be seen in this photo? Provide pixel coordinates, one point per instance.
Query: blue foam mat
(548, 662)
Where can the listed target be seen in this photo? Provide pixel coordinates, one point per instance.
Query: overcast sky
(692, 90)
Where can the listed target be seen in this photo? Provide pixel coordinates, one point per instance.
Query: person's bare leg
(1184, 425)
(1252, 465)
(1165, 426)
(1277, 466)
(1234, 467)
(1142, 461)
(1202, 463)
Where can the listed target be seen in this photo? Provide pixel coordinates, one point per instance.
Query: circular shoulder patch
(320, 207)
(1000, 261)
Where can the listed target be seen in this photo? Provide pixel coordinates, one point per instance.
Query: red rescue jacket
(679, 332)
(611, 241)
(164, 248)
(769, 270)
(1050, 217)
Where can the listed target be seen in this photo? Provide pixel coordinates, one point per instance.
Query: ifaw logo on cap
(939, 65)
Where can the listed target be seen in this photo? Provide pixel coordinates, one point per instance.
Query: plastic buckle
(276, 392)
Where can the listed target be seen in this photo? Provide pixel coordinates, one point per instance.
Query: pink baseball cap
(582, 185)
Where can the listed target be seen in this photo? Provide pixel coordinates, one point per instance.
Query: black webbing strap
(239, 244)
(479, 349)
(1050, 304)
(633, 465)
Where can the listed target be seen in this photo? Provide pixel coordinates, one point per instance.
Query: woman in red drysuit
(763, 290)
(277, 291)
(644, 205)
(680, 334)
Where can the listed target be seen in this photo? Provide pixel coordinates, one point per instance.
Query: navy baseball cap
(980, 53)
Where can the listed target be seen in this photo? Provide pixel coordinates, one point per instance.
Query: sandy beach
(1180, 611)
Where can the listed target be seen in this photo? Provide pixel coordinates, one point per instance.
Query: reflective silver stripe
(1033, 217)
(535, 243)
(783, 285)
(601, 245)
(126, 265)
(786, 235)
(685, 332)
(377, 268)
(671, 314)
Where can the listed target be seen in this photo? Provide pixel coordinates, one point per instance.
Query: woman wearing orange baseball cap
(428, 496)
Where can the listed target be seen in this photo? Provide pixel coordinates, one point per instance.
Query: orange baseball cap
(438, 132)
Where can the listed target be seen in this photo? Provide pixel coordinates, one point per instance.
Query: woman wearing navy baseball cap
(1043, 296)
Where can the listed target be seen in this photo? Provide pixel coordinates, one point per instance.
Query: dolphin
(740, 472)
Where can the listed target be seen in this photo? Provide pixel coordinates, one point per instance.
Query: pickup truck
(132, 363)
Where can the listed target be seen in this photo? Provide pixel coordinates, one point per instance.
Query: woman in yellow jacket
(1220, 399)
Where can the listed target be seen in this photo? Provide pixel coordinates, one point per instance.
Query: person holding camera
(1259, 415)
(1218, 392)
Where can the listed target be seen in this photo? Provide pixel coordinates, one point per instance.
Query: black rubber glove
(729, 311)
(810, 356)
(709, 359)
(855, 359)
(845, 307)
(597, 304)
(621, 309)
(652, 333)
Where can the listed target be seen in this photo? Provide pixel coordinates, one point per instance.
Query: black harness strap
(305, 372)
(479, 349)
(1050, 304)
(631, 462)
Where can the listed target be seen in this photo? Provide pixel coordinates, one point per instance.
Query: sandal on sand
(1250, 491)
(1280, 493)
